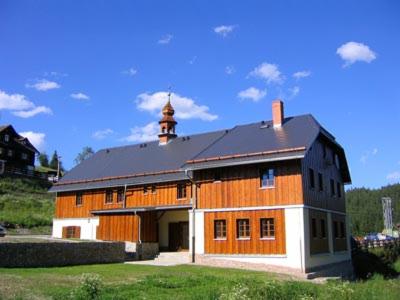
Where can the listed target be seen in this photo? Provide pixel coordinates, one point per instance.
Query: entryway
(178, 233)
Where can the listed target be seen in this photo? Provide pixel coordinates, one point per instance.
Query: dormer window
(24, 156)
(181, 191)
(10, 152)
(6, 138)
(267, 178)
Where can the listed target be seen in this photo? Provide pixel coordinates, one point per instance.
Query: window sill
(111, 203)
(220, 239)
(266, 187)
(181, 199)
(243, 239)
(217, 181)
(267, 239)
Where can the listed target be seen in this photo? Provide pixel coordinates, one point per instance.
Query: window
(267, 178)
(243, 228)
(311, 178)
(24, 156)
(153, 189)
(109, 196)
(145, 191)
(71, 231)
(342, 230)
(337, 164)
(332, 188)
(78, 199)
(10, 152)
(314, 227)
(335, 229)
(1, 150)
(181, 191)
(120, 195)
(267, 228)
(339, 189)
(323, 228)
(324, 151)
(219, 229)
(217, 176)
(320, 182)
(6, 138)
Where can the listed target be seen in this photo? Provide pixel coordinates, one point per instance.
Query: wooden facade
(254, 244)
(240, 186)
(321, 160)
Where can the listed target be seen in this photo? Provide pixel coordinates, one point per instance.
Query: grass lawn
(123, 281)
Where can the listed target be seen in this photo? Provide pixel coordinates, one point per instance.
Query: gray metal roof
(151, 162)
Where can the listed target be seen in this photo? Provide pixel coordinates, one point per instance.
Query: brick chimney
(278, 116)
(167, 123)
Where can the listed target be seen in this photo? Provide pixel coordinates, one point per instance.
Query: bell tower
(167, 123)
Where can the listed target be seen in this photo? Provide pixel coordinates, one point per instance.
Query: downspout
(124, 203)
(194, 206)
(139, 227)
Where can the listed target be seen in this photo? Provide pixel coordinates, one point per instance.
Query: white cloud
(367, 154)
(393, 176)
(33, 112)
(224, 30)
(185, 108)
(14, 101)
(301, 74)
(294, 91)
(44, 85)
(80, 96)
(230, 70)
(143, 134)
(193, 60)
(166, 39)
(352, 52)
(130, 72)
(268, 72)
(36, 138)
(20, 105)
(102, 134)
(253, 94)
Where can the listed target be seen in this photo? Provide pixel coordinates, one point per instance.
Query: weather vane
(169, 92)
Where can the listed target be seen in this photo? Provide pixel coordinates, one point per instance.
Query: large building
(269, 192)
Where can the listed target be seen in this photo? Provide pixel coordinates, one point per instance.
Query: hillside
(364, 207)
(25, 202)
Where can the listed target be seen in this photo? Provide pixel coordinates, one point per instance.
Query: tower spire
(167, 123)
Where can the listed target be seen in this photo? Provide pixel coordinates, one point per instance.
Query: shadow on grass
(366, 264)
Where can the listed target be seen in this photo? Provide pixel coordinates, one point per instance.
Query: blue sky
(94, 73)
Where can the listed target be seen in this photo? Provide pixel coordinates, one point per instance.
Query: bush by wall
(60, 254)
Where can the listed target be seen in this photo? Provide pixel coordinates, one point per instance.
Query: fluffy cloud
(33, 112)
(102, 134)
(301, 74)
(224, 30)
(20, 105)
(143, 134)
(394, 176)
(268, 72)
(294, 91)
(166, 39)
(80, 96)
(14, 101)
(352, 52)
(253, 94)
(230, 70)
(185, 108)
(36, 138)
(130, 72)
(44, 85)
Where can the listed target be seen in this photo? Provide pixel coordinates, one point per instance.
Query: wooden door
(185, 235)
(178, 236)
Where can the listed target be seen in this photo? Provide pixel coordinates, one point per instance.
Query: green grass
(25, 203)
(122, 281)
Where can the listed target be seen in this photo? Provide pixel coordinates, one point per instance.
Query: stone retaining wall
(60, 254)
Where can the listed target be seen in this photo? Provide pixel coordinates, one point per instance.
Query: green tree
(43, 159)
(84, 154)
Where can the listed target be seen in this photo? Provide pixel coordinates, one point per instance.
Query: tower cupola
(167, 123)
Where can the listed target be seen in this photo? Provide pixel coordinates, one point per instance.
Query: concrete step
(173, 257)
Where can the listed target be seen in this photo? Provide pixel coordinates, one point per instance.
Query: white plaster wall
(295, 246)
(199, 231)
(169, 217)
(88, 227)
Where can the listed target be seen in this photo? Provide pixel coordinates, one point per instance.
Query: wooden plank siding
(313, 196)
(318, 244)
(240, 186)
(75, 230)
(124, 227)
(165, 194)
(255, 245)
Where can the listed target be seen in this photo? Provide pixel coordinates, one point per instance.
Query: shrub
(90, 288)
